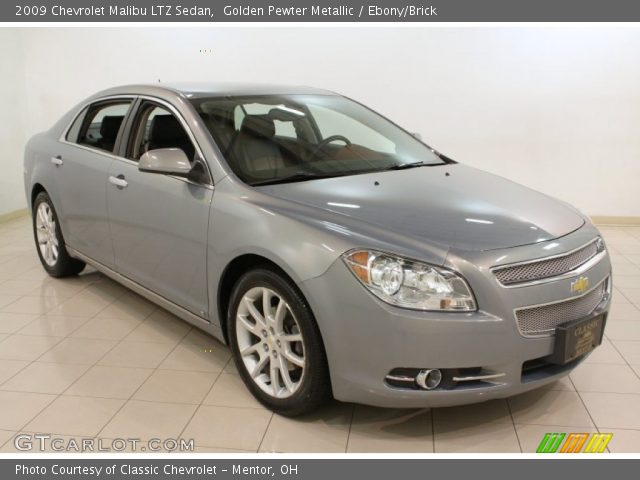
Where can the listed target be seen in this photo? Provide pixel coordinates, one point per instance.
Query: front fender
(302, 240)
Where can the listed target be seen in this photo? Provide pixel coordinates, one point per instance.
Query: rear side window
(99, 125)
(74, 131)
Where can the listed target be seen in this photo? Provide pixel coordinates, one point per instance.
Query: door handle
(118, 181)
(57, 161)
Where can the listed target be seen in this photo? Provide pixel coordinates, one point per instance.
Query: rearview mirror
(170, 161)
(417, 135)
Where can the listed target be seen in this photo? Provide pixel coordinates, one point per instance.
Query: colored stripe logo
(574, 443)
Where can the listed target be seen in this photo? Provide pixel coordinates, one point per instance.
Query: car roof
(209, 89)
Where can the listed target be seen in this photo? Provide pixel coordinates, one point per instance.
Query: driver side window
(156, 127)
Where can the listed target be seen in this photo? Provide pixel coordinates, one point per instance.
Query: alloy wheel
(47, 234)
(270, 342)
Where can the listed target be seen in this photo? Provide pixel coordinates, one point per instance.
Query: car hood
(450, 205)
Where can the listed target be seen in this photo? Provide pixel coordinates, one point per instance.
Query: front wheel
(276, 344)
(49, 241)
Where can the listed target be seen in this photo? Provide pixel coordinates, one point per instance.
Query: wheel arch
(35, 190)
(237, 267)
(41, 186)
(230, 276)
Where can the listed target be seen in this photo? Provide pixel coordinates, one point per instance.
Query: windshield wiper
(405, 166)
(296, 177)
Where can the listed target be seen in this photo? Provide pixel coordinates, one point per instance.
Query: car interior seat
(254, 148)
(167, 132)
(109, 131)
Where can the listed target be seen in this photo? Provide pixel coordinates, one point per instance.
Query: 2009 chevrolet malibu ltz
(334, 252)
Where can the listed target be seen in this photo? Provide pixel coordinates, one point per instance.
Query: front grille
(545, 318)
(552, 267)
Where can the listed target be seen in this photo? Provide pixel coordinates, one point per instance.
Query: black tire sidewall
(315, 383)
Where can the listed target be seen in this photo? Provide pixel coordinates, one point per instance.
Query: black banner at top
(426, 11)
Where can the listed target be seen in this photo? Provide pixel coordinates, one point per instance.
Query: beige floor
(83, 357)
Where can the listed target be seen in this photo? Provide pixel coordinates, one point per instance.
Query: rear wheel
(49, 242)
(276, 344)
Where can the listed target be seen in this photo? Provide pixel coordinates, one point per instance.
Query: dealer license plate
(577, 338)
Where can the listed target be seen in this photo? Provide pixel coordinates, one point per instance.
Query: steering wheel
(326, 142)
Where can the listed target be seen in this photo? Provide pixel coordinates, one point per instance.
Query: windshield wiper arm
(296, 177)
(405, 166)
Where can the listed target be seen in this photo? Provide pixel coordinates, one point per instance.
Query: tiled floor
(86, 358)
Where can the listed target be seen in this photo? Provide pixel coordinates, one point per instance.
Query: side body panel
(159, 228)
(81, 186)
(77, 188)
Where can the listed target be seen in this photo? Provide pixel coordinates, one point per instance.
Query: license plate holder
(577, 338)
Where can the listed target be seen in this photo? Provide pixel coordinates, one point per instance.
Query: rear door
(81, 172)
(159, 222)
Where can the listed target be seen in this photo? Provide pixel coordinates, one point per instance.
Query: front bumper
(365, 338)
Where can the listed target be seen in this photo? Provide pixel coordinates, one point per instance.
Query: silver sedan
(336, 253)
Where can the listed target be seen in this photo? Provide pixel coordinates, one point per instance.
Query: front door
(159, 222)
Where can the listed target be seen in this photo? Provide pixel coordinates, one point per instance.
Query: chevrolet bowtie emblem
(580, 285)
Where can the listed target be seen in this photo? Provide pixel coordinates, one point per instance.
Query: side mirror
(170, 161)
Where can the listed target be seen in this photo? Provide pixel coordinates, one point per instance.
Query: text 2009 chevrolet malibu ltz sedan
(333, 251)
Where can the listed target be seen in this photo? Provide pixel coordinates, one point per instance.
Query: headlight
(410, 284)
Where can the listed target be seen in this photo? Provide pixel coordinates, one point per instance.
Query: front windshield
(285, 138)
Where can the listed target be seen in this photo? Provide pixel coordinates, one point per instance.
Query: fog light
(429, 379)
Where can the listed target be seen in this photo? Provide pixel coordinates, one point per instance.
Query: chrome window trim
(576, 271)
(550, 332)
(133, 98)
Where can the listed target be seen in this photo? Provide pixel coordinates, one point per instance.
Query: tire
(295, 338)
(49, 241)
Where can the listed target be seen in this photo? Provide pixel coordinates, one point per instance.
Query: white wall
(555, 108)
(12, 122)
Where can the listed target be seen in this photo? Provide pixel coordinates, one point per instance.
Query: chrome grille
(545, 318)
(539, 269)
